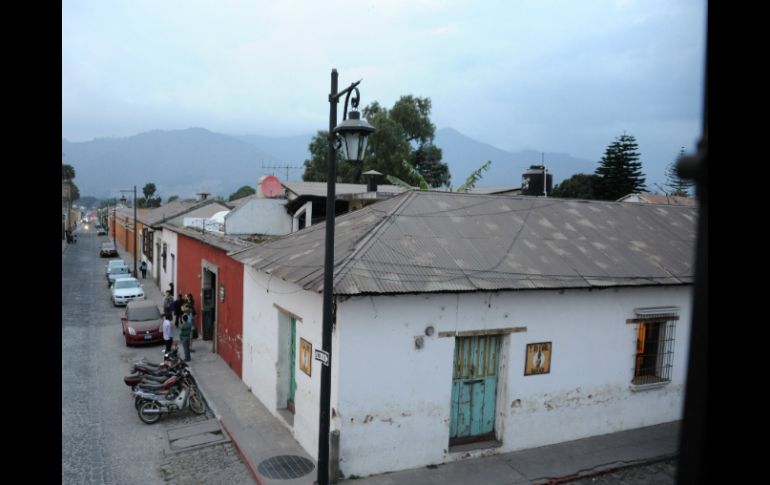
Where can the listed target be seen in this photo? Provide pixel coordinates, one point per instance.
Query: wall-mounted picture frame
(305, 356)
(538, 359)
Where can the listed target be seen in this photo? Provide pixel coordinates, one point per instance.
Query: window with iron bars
(654, 356)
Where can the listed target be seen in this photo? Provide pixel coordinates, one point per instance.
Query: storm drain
(284, 467)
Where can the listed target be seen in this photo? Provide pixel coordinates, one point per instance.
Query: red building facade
(216, 282)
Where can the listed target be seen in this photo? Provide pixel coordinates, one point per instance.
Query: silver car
(117, 272)
(125, 290)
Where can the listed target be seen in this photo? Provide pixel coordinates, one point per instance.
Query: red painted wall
(229, 314)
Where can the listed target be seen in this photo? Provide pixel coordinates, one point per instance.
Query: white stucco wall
(393, 405)
(166, 276)
(264, 350)
(259, 216)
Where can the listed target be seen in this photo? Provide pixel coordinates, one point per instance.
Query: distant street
(103, 440)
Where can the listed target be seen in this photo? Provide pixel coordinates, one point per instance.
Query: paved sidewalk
(258, 436)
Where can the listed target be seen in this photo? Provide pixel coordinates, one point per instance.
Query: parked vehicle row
(125, 290)
(108, 250)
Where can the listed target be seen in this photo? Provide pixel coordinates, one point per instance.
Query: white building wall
(265, 348)
(259, 216)
(166, 275)
(394, 400)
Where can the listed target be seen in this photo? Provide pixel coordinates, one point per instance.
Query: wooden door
(474, 389)
(292, 365)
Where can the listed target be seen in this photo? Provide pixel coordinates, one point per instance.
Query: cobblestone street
(103, 439)
(660, 473)
(214, 465)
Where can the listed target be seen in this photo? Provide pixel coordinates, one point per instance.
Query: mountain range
(185, 162)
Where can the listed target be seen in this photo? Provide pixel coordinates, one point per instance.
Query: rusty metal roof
(427, 241)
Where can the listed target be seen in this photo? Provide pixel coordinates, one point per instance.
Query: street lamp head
(354, 132)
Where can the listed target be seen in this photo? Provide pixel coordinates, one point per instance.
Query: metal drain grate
(284, 467)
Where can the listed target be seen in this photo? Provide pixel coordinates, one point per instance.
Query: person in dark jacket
(168, 303)
(189, 303)
(178, 309)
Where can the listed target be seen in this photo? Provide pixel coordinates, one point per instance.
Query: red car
(142, 323)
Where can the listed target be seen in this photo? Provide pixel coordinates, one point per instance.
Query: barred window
(654, 354)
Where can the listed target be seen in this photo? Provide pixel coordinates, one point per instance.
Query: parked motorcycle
(177, 393)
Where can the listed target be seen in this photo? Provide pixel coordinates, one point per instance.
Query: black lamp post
(350, 134)
(123, 199)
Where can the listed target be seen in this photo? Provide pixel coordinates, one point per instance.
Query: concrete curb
(241, 453)
(601, 470)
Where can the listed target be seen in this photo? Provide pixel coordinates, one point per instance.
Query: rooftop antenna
(278, 167)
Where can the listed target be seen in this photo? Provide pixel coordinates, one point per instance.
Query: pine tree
(620, 171)
(674, 182)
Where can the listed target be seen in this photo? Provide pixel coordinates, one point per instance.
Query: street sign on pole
(322, 356)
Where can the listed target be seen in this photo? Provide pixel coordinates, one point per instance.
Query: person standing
(185, 335)
(168, 338)
(178, 303)
(168, 304)
(143, 268)
(190, 302)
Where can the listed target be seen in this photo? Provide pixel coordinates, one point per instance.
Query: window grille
(654, 355)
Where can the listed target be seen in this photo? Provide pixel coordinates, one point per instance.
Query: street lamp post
(351, 135)
(123, 199)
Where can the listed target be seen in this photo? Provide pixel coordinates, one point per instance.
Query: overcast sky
(555, 76)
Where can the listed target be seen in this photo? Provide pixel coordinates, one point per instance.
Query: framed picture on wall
(305, 353)
(538, 359)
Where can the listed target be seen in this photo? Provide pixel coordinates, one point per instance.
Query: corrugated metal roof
(659, 199)
(173, 209)
(318, 189)
(426, 241)
(226, 243)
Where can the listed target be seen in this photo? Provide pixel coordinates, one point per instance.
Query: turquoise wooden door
(474, 389)
(292, 365)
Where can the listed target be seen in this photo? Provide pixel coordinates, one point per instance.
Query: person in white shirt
(168, 338)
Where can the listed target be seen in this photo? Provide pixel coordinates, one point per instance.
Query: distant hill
(184, 162)
(464, 155)
(178, 162)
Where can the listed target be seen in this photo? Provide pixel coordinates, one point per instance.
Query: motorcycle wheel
(151, 417)
(138, 402)
(196, 403)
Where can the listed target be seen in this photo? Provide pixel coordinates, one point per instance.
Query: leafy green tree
(579, 186)
(172, 198)
(148, 190)
(244, 191)
(67, 172)
(422, 184)
(404, 132)
(620, 171)
(474, 177)
(678, 185)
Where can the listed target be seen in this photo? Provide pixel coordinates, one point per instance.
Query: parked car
(142, 323)
(108, 249)
(125, 290)
(117, 272)
(101, 231)
(112, 263)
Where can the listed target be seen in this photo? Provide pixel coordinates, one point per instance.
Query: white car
(112, 263)
(125, 290)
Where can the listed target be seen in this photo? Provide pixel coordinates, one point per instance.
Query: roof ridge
(368, 239)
